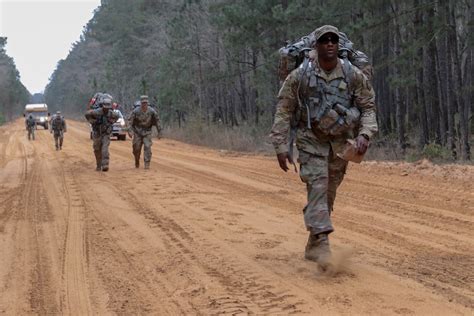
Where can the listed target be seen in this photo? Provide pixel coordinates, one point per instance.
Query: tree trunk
(440, 59)
(422, 118)
(431, 78)
(400, 111)
(243, 96)
(457, 80)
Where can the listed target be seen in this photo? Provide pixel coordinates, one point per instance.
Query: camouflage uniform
(140, 123)
(101, 129)
(30, 124)
(320, 168)
(58, 128)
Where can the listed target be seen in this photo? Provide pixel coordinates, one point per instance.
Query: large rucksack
(293, 54)
(97, 100)
(30, 121)
(57, 123)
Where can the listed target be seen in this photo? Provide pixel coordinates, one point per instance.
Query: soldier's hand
(282, 158)
(362, 144)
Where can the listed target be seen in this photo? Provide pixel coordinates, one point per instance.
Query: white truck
(40, 113)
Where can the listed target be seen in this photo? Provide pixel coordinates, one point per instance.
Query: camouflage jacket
(30, 122)
(362, 97)
(58, 124)
(141, 122)
(101, 122)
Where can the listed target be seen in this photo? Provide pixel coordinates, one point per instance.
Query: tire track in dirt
(411, 208)
(399, 187)
(115, 263)
(42, 299)
(8, 206)
(452, 223)
(440, 200)
(31, 255)
(7, 143)
(247, 291)
(427, 265)
(407, 218)
(74, 270)
(116, 257)
(178, 238)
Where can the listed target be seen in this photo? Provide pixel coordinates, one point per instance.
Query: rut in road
(74, 270)
(27, 207)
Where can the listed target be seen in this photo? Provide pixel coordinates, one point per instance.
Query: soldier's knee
(313, 175)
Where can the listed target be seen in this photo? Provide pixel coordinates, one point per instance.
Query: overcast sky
(40, 33)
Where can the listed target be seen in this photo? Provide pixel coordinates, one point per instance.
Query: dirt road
(211, 232)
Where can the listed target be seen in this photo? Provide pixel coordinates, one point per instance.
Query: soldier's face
(144, 105)
(327, 46)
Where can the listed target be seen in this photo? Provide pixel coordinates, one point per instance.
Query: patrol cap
(320, 31)
(58, 112)
(107, 103)
(144, 98)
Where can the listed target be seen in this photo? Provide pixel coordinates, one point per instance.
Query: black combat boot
(137, 163)
(317, 249)
(105, 168)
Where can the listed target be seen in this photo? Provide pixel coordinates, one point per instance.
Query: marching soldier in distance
(140, 123)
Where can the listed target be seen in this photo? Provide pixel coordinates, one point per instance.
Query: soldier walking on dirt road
(30, 125)
(332, 101)
(58, 128)
(141, 121)
(102, 120)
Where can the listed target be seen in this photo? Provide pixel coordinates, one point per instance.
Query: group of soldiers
(140, 123)
(327, 103)
(57, 128)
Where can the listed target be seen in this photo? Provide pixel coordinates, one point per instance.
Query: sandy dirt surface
(212, 232)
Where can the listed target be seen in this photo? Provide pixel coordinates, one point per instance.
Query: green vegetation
(13, 95)
(435, 152)
(211, 65)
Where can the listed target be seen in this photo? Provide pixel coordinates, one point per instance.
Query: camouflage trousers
(58, 139)
(138, 142)
(31, 133)
(101, 149)
(322, 175)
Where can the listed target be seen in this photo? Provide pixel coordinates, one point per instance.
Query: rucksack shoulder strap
(303, 69)
(348, 70)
